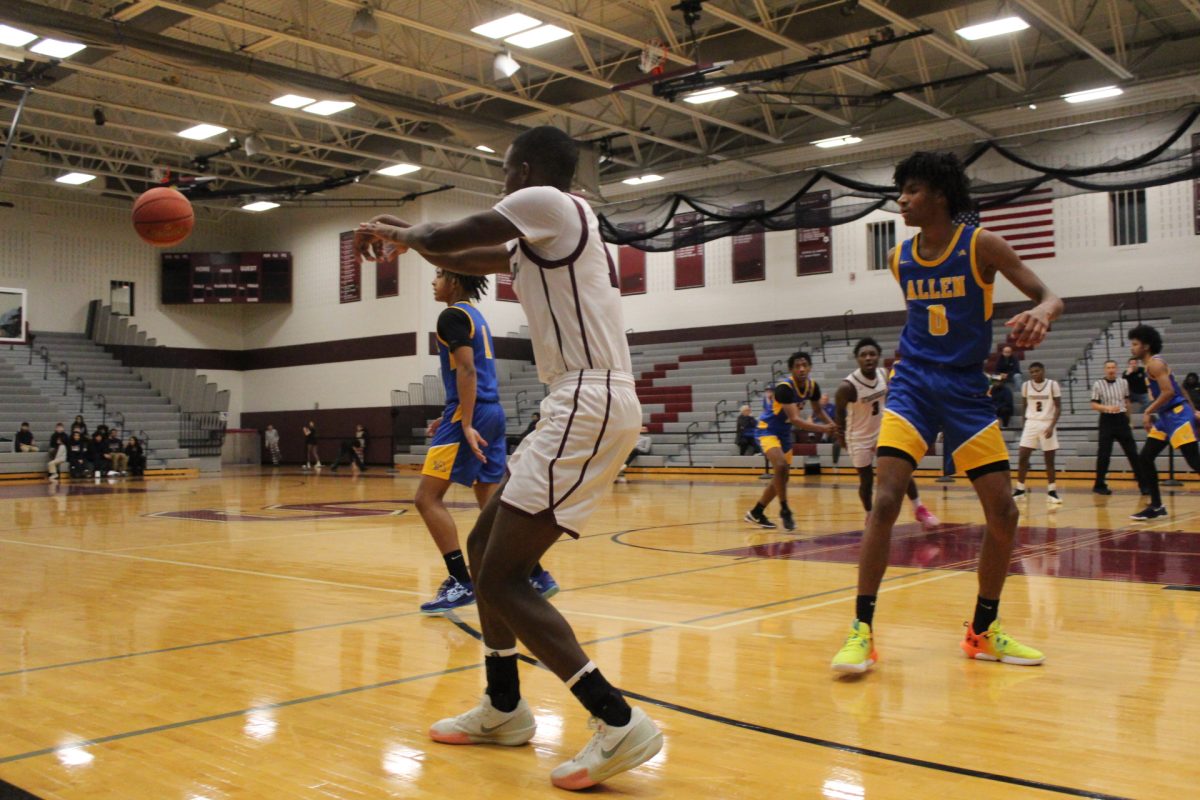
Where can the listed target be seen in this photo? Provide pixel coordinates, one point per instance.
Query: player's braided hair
(475, 286)
(942, 172)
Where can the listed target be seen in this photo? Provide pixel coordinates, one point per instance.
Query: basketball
(163, 217)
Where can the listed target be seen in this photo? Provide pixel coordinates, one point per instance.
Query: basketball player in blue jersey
(775, 435)
(1175, 417)
(468, 445)
(946, 273)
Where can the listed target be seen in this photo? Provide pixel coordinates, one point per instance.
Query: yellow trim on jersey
(470, 319)
(1182, 435)
(987, 287)
(916, 250)
(895, 264)
(985, 447)
(769, 443)
(439, 461)
(895, 431)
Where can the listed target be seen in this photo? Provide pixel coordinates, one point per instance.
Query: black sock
(602, 699)
(985, 614)
(864, 608)
(758, 509)
(537, 570)
(503, 687)
(784, 508)
(456, 565)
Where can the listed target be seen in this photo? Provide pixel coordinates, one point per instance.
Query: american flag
(1027, 225)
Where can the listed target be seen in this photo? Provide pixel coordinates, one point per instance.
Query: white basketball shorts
(590, 422)
(1033, 436)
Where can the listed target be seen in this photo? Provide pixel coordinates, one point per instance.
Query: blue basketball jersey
(486, 386)
(774, 419)
(949, 306)
(1180, 398)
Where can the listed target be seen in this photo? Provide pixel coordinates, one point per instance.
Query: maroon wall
(336, 424)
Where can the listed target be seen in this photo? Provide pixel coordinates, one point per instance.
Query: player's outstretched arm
(473, 245)
(1029, 328)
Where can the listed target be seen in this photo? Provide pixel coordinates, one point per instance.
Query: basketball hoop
(653, 58)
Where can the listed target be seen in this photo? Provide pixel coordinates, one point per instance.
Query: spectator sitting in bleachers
(1008, 367)
(1002, 397)
(747, 439)
(136, 455)
(24, 442)
(98, 453)
(102, 429)
(117, 461)
(58, 438)
(80, 425)
(58, 451)
(77, 456)
(1191, 387)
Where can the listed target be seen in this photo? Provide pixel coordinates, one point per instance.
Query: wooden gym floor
(256, 636)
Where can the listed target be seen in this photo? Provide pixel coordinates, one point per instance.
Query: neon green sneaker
(858, 653)
(996, 645)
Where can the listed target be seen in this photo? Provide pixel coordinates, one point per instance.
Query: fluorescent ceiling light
(643, 179)
(997, 27)
(326, 107)
(293, 101)
(261, 205)
(75, 178)
(1093, 94)
(538, 36)
(506, 26)
(837, 141)
(483, 148)
(399, 169)
(57, 49)
(709, 95)
(15, 37)
(202, 131)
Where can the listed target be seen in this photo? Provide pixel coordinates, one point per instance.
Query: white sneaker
(1053, 499)
(611, 750)
(483, 724)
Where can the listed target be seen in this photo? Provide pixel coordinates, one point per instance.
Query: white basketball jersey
(865, 415)
(566, 282)
(1039, 400)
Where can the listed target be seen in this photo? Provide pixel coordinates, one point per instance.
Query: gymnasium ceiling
(425, 92)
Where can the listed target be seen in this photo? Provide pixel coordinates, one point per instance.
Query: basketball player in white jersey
(1043, 405)
(567, 285)
(858, 413)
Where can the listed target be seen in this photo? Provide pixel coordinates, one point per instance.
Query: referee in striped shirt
(1110, 397)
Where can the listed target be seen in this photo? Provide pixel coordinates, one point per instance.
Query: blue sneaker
(451, 595)
(545, 584)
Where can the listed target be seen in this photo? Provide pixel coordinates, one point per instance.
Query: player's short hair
(796, 356)
(940, 171)
(867, 341)
(1110, 361)
(1148, 336)
(475, 286)
(1037, 364)
(552, 150)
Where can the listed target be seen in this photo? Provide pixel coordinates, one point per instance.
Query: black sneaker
(1148, 513)
(760, 519)
(1101, 489)
(789, 522)
(1053, 498)
(1019, 492)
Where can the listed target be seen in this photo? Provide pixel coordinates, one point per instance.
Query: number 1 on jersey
(938, 324)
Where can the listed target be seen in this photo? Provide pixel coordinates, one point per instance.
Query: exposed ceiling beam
(1064, 30)
(936, 40)
(804, 50)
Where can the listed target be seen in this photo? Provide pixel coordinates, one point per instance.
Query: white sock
(492, 651)
(584, 670)
(1020, 486)
(1053, 487)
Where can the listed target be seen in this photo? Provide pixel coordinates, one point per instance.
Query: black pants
(349, 453)
(748, 447)
(1115, 427)
(1150, 451)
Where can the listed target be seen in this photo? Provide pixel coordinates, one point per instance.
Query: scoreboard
(204, 278)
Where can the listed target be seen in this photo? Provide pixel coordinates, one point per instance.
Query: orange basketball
(163, 217)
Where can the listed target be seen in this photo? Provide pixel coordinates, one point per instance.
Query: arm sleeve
(454, 328)
(538, 212)
(784, 394)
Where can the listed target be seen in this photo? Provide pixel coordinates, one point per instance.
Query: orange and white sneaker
(485, 724)
(996, 645)
(611, 750)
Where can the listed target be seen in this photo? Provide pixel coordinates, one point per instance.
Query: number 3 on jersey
(938, 324)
